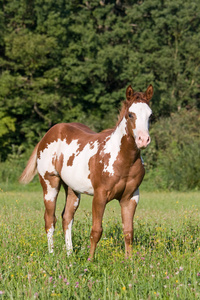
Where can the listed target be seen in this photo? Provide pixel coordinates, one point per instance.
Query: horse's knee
(50, 223)
(128, 236)
(96, 235)
(66, 221)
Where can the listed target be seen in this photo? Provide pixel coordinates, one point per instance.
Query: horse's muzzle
(143, 140)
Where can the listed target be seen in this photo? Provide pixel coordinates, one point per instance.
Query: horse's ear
(129, 93)
(149, 93)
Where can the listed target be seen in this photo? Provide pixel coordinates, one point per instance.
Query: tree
(64, 61)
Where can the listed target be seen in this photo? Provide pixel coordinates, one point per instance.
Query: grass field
(166, 251)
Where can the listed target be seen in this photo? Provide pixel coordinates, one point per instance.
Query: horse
(106, 165)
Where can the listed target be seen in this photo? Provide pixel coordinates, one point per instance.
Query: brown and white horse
(106, 165)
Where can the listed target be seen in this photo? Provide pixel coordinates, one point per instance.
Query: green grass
(166, 251)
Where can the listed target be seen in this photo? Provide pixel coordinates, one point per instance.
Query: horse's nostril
(148, 140)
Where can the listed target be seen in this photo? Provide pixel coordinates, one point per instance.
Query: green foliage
(6, 124)
(64, 61)
(7, 127)
(174, 156)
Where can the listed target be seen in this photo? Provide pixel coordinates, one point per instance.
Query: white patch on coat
(68, 238)
(44, 164)
(51, 192)
(75, 176)
(113, 146)
(50, 238)
(136, 196)
(77, 202)
(142, 112)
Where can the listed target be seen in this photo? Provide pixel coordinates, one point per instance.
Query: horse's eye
(150, 117)
(130, 116)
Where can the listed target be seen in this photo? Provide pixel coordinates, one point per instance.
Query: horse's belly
(75, 171)
(76, 177)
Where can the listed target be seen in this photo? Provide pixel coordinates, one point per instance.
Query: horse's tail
(31, 168)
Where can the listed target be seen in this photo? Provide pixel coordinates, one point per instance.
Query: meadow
(166, 250)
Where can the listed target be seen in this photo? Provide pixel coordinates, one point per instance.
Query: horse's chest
(124, 185)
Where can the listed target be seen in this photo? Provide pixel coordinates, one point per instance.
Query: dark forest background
(71, 60)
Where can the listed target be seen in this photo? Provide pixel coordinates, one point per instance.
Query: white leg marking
(136, 196)
(51, 192)
(77, 202)
(68, 238)
(50, 238)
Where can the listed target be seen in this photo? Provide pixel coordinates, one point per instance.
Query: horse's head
(137, 115)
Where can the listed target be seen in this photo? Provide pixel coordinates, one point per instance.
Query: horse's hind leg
(51, 186)
(72, 203)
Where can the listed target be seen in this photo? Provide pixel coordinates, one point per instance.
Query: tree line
(71, 60)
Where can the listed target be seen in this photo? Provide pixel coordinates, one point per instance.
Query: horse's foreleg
(72, 203)
(98, 207)
(51, 187)
(128, 208)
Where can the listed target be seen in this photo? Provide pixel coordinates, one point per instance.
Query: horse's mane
(120, 116)
(122, 112)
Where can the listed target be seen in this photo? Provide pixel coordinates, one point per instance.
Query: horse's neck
(120, 140)
(113, 140)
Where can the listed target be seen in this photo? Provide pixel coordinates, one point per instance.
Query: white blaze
(141, 131)
(142, 112)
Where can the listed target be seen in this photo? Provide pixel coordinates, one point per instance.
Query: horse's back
(63, 130)
(65, 150)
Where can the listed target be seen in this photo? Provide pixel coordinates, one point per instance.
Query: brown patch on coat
(71, 160)
(43, 184)
(77, 131)
(54, 159)
(52, 178)
(106, 159)
(80, 148)
(59, 163)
